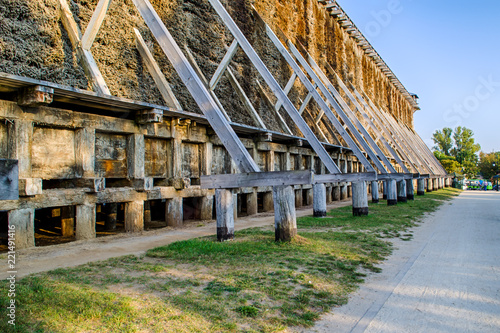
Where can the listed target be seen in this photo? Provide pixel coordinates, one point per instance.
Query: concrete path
(445, 280)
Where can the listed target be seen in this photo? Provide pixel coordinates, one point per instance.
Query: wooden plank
(345, 177)
(233, 48)
(244, 99)
(287, 89)
(345, 113)
(275, 87)
(204, 80)
(253, 179)
(95, 24)
(367, 119)
(197, 89)
(271, 106)
(155, 71)
(9, 175)
(312, 90)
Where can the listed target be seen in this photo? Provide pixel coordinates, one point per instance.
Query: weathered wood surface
(197, 89)
(319, 200)
(24, 222)
(157, 159)
(285, 221)
(421, 186)
(359, 199)
(85, 222)
(95, 24)
(257, 179)
(224, 207)
(345, 177)
(30, 187)
(375, 192)
(53, 153)
(402, 191)
(35, 96)
(68, 221)
(173, 212)
(410, 189)
(111, 155)
(134, 216)
(233, 48)
(274, 86)
(392, 192)
(9, 175)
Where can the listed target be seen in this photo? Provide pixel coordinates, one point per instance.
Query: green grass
(252, 284)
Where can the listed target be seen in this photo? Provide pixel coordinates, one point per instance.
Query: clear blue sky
(447, 52)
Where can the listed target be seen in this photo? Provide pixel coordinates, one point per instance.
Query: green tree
(442, 140)
(489, 164)
(465, 147)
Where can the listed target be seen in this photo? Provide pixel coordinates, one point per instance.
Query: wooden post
(173, 212)
(392, 195)
(343, 191)
(285, 223)
(298, 198)
(359, 199)
(268, 202)
(375, 194)
(147, 212)
(134, 216)
(225, 215)
(309, 197)
(429, 185)
(384, 189)
(207, 205)
(235, 204)
(410, 189)
(85, 222)
(85, 152)
(68, 221)
(135, 156)
(111, 215)
(328, 194)
(319, 200)
(24, 222)
(402, 191)
(421, 186)
(252, 207)
(336, 192)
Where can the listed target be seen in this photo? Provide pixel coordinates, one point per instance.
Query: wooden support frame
(198, 90)
(275, 87)
(155, 71)
(273, 178)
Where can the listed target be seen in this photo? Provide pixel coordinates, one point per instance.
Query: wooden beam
(275, 87)
(345, 177)
(274, 178)
(85, 56)
(95, 23)
(266, 98)
(198, 91)
(155, 71)
(35, 96)
(287, 89)
(233, 48)
(244, 99)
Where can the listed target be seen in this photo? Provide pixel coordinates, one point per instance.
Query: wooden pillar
(336, 192)
(285, 222)
(225, 214)
(309, 197)
(384, 190)
(268, 201)
(85, 222)
(111, 215)
(252, 207)
(410, 189)
(429, 185)
(421, 186)
(24, 222)
(147, 212)
(173, 212)
(359, 199)
(343, 191)
(85, 152)
(402, 191)
(68, 221)
(134, 216)
(328, 194)
(298, 198)
(235, 204)
(135, 156)
(319, 200)
(375, 193)
(207, 206)
(392, 192)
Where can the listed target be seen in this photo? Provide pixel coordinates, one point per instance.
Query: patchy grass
(252, 284)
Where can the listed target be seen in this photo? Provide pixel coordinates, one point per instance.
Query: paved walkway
(445, 280)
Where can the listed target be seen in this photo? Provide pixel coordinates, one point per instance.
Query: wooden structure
(139, 159)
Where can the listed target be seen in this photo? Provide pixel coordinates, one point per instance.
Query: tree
(465, 148)
(489, 164)
(443, 142)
